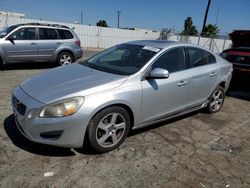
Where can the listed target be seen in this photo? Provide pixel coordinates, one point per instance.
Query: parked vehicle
(34, 42)
(125, 87)
(239, 54)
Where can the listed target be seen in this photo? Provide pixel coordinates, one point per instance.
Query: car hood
(64, 81)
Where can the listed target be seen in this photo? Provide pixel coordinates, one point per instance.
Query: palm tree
(211, 31)
(205, 18)
(189, 28)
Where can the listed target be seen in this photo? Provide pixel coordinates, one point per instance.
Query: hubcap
(110, 130)
(65, 59)
(216, 100)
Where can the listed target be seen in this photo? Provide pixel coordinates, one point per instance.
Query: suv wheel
(108, 129)
(65, 58)
(216, 100)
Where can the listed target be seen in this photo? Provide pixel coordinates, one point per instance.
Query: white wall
(101, 37)
(91, 36)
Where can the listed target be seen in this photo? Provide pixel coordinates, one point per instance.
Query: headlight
(62, 108)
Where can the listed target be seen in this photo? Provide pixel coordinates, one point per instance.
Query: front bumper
(72, 128)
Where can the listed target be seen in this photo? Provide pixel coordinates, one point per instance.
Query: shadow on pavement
(30, 65)
(240, 85)
(20, 141)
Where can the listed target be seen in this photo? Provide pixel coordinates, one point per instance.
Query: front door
(21, 46)
(163, 97)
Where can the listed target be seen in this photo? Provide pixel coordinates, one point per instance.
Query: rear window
(47, 34)
(199, 57)
(65, 34)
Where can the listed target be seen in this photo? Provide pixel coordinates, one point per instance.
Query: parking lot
(196, 150)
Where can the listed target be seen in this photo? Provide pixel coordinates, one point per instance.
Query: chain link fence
(214, 44)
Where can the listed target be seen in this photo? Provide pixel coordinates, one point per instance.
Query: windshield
(5, 31)
(124, 59)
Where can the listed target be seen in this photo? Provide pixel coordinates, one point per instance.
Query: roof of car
(154, 43)
(163, 44)
(43, 24)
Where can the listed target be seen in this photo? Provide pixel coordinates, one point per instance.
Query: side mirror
(11, 38)
(158, 73)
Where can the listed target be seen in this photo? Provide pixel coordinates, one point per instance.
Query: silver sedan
(125, 87)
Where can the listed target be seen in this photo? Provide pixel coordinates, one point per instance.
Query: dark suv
(39, 42)
(239, 54)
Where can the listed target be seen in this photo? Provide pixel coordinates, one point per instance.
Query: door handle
(58, 43)
(33, 43)
(213, 74)
(182, 83)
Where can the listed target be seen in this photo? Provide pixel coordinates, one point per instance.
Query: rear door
(204, 73)
(21, 46)
(47, 44)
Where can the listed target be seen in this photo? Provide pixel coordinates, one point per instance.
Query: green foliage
(211, 31)
(189, 28)
(102, 23)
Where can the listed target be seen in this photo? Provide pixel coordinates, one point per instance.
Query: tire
(108, 129)
(216, 100)
(1, 64)
(65, 58)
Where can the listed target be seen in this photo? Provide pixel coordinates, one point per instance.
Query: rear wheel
(108, 129)
(216, 100)
(65, 58)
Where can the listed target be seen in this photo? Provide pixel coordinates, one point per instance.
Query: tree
(102, 23)
(189, 28)
(205, 17)
(211, 31)
(165, 32)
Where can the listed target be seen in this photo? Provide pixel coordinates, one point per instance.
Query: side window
(172, 60)
(199, 57)
(25, 34)
(211, 58)
(47, 34)
(65, 34)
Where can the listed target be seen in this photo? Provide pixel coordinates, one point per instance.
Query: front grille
(20, 107)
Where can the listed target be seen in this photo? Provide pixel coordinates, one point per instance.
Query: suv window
(24, 34)
(47, 34)
(65, 34)
(199, 57)
(173, 60)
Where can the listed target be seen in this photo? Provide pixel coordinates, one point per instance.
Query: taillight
(78, 43)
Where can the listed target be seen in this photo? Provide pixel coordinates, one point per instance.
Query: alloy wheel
(110, 130)
(65, 59)
(216, 100)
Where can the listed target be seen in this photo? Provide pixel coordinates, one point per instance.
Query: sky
(147, 14)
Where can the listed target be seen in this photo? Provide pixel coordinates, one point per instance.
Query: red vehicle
(239, 54)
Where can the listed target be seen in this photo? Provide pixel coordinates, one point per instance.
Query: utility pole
(205, 18)
(217, 15)
(81, 18)
(118, 18)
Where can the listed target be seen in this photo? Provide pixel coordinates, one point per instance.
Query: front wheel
(108, 129)
(1, 64)
(65, 58)
(216, 100)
